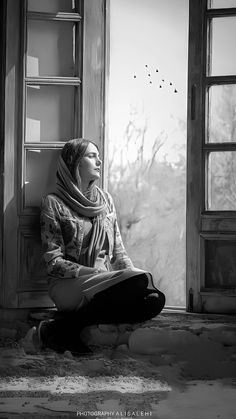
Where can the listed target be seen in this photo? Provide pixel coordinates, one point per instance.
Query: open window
(54, 89)
(55, 64)
(211, 178)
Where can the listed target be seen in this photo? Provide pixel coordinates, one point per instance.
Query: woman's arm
(54, 247)
(120, 258)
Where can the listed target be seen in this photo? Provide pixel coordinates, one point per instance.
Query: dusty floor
(181, 366)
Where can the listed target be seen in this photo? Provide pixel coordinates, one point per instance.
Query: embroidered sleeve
(120, 258)
(53, 244)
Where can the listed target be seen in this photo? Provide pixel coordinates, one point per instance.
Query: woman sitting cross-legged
(91, 278)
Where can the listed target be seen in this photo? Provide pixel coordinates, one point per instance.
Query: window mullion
(220, 80)
(221, 12)
(67, 17)
(64, 81)
(219, 147)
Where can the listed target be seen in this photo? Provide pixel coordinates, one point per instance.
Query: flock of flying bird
(161, 81)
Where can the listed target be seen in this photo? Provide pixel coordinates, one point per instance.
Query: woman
(91, 278)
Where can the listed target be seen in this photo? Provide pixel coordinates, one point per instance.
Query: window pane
(50, 113)
(50, 6)
(224, 4)
(50, 48)
(222, 114)
(40, 175)
(223, 46)
(220, 264)
(222, 181)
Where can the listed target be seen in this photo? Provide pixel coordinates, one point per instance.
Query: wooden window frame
(3, 12)
(75, 17)
(202, 223)
(17, 222)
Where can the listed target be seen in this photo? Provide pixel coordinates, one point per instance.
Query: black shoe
(154, 304)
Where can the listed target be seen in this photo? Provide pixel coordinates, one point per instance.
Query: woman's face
(90, 165)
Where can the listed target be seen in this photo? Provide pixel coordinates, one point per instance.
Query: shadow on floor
(178, 366)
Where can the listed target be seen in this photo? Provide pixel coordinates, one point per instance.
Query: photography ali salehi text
(114, 413)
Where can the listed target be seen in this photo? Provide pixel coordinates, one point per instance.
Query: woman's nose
(99, 161)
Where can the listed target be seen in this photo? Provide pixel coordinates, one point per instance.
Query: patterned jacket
(62, 232)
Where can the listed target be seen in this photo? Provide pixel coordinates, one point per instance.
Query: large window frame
(22, 286)
(203, 224)
(75, 82)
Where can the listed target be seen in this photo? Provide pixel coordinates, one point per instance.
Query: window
(211, 207)
(54, 92)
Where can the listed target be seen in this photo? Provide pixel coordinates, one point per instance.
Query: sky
(149, 35)
(223, 46)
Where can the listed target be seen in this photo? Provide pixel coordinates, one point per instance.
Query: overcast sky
(149, 35)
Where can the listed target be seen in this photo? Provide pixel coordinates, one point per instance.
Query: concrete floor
(178, 366)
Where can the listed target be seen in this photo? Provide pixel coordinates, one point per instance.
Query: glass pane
(222, 4)
(50, 49)
(223, 60)
(222, 114)
(40, 175)
(220, 265)
(50, 113)
(50, 6)
(222, 181)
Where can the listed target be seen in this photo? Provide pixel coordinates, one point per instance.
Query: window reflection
(40, 175)
(50, 6)
(50, 113)
(222, 114)
(224, 4)
(223, 58)
(50, 48)
(222, 181)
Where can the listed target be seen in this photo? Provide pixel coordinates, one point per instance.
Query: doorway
(147, 119)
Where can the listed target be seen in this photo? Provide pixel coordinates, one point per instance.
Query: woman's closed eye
(92, 155)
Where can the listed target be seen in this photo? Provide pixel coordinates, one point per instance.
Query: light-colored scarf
(96, 209)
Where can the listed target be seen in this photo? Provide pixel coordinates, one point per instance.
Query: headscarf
(96, 208)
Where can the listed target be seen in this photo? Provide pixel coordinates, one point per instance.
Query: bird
(161, 86)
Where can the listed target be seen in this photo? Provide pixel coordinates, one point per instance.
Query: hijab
(92, 205)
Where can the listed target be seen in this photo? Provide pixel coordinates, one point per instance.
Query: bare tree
(150, 202)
